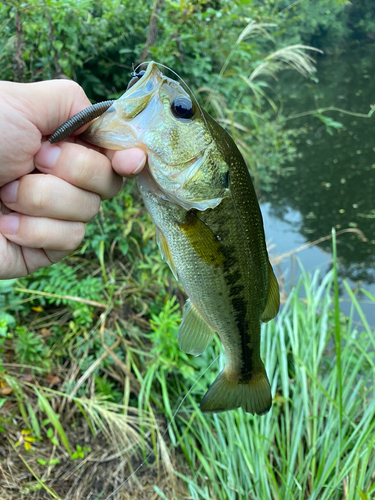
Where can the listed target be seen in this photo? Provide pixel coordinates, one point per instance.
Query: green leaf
(33, 420)
(55, 441)
(329, 122)
(54, 461)
(159, 492)
(362, 494)
(47, 408)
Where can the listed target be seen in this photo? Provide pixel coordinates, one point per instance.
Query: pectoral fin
(202, 240)
(165, 252)
(194, 334)
(273, 298)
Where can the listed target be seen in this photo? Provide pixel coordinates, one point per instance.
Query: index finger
(49, 104)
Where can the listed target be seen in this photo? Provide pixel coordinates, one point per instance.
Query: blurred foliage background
(88, 351)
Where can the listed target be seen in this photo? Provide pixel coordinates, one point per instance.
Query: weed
(30, 349)
(80, 452)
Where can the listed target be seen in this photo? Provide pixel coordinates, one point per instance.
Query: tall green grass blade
(337, 336)
(33, 420)
(101, 260)
(17, 390)
(47, 408)
(160, 493)
(88, 421)
(362, 494)
(368, 294)
(360, 312)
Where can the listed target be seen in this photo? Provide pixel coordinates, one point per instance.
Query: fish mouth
(118, 128)
(151, 69)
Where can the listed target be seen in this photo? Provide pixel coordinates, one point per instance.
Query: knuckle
(82, 172)
(77, 233)
(40, 191)
(92, 207)
(116, 187)
(73, 88)
(39, 231)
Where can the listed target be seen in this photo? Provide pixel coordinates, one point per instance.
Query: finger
(49, 196)
(49, 104)
(41, 232)
(129, 162)
(81, 166)
(36, 258)
(19, 261)
(29, 111)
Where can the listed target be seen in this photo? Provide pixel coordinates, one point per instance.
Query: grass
(317, 442)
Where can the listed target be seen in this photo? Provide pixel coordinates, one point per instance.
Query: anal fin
(194, 334)
(273, 298)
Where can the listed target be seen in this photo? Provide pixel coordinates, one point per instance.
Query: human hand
(48, 192)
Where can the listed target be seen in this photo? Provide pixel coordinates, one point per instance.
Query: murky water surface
(333, 181)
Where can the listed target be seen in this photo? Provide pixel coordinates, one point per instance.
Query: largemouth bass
(200, 196)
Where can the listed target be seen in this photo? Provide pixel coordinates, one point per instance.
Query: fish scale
(199, 193)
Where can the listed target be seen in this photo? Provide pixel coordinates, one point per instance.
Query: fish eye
(182, 107)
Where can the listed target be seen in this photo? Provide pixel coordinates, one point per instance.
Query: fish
(200, 196)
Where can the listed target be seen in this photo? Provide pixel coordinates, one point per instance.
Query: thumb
(128, 162)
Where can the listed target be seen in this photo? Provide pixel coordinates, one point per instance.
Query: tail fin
(253, 396)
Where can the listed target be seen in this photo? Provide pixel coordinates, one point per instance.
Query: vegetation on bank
(91, 376)
(85, 407)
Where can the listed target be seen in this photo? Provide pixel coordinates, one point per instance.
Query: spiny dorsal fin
(165, 252)
(202, 240)
(273, 298)
(194, 334)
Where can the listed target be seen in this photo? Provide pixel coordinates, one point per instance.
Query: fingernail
(140, 166)
(47, 155)
(9, 224)
(9, 192)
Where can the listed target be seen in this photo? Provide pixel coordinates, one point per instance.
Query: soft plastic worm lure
(78, 120)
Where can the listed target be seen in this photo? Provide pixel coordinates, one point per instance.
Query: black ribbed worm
(78, 120)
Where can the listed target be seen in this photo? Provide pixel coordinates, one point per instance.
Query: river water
(332, 183)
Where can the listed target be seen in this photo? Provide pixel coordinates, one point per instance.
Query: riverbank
(316, 442)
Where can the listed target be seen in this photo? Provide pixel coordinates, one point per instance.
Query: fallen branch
(63, 297)
(283, 256)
